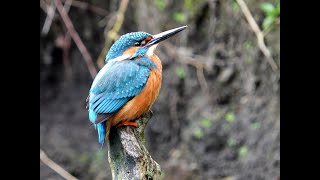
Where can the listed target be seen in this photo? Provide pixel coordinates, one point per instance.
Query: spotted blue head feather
(124, 42)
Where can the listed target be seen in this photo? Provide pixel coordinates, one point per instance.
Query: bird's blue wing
(115, 85)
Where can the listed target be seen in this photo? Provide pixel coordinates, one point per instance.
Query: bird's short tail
(101, 128)
(103, 132)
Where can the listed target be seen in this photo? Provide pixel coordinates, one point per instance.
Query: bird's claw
(127, 123)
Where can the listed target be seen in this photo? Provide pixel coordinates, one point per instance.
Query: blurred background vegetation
(218, 112)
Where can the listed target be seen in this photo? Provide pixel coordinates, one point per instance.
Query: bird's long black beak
(164, 35)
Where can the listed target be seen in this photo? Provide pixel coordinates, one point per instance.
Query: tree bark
(128, 157)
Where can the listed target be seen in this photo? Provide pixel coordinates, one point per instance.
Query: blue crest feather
(124, 42)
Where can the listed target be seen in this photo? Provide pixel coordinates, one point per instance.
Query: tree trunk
(128, 157)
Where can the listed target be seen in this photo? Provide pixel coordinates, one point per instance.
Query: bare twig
(108, 21)
(54, 166)
(202, 80)
(87, 6)
(184, 59)
(67, 5)
(76, 38)
(44, 6)
(66, 61)
(50, 14)
(67, 44)
(113, 33)
(259, 34)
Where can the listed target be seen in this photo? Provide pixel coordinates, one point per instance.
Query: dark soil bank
(218, 112)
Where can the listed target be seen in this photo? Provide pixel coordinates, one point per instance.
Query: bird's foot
(127, 123)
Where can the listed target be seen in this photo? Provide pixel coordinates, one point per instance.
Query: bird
(128, 84)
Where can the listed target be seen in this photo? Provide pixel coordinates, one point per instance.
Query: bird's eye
(137, 44)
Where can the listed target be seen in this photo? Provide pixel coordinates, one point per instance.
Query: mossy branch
(260, 37)
(113, 33)
(128, 157)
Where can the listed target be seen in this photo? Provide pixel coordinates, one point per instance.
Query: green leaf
(198, 133)
(226, 127)
(248, 44)
(99, 155)
(163, 175)
(84, 158)
(232, 142)
(248, 61)
(255, 125)
(179, 17)
(206, 123)
(160, 4)
(276, 11)
(243, 151)
(267, 8)
(267, 22)
(278, 5)
(229, 117)
(180, 72)
(188, 4)
(235, 6)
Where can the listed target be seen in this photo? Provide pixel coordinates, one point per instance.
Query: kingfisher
(129, 82)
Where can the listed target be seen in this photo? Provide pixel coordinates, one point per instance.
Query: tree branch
(113, 33)
(87, 6)
(260, 37)
(185, 59)
(75, 36)
(50, 14)
(128, 157)
(54, 166)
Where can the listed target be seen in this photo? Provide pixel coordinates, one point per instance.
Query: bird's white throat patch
(121, 58)
(151, 50)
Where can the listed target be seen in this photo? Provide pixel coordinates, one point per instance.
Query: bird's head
(137, 44)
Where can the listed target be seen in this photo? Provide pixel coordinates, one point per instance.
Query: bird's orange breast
(145, 99)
